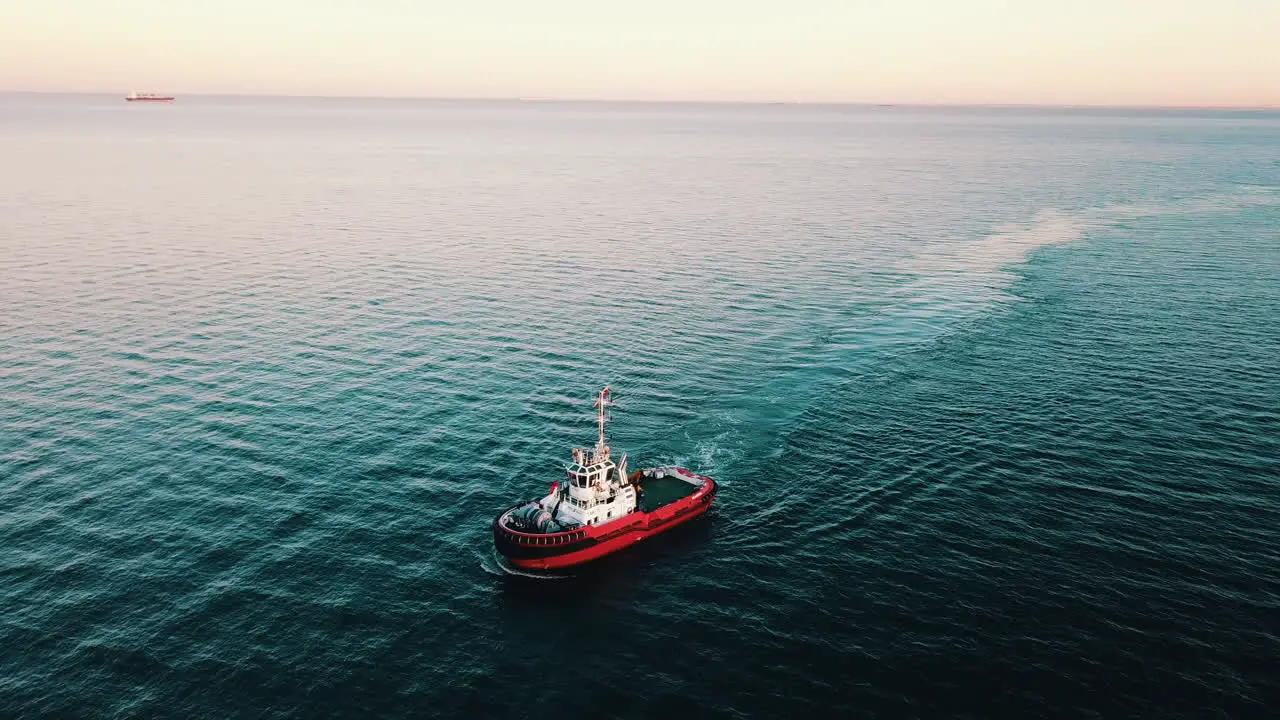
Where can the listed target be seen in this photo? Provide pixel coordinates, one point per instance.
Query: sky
(1086, 52)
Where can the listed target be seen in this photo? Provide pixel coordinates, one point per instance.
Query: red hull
(597, 541)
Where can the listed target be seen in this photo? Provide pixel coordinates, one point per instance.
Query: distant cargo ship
(148, 97)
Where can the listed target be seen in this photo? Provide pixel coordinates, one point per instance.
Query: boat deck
(663, 491)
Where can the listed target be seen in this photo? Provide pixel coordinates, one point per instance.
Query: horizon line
(682, 101)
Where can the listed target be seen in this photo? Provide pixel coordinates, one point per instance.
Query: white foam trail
(968, 276)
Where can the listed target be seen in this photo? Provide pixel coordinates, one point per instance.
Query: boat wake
(969, 277)
(938, 289)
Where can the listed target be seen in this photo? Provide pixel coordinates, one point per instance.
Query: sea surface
(993, 395)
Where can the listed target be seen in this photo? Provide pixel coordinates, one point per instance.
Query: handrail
(577, 534)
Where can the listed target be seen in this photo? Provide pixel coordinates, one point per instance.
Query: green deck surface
(663, 491)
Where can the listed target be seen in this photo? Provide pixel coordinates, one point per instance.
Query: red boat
(148, 97)
(599, 509)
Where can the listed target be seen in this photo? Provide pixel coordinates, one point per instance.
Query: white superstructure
(596, 490)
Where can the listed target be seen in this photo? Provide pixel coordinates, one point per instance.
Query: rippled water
(993, 396)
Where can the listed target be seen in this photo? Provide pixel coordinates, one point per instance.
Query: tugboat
(599, 509)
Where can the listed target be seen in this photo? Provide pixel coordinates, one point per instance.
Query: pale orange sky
(1123, 52)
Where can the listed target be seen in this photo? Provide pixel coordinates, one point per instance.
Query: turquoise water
(993, 396)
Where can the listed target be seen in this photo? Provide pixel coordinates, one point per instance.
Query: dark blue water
(993, 396)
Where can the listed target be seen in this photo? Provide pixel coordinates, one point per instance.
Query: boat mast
(602, 401)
